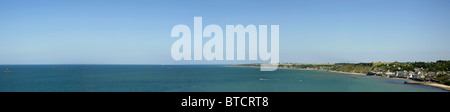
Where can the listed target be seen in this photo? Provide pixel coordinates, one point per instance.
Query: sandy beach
(407, 81)
(442, 86)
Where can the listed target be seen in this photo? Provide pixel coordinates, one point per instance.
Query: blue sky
(138, 31)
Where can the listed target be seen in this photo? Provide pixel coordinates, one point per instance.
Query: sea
(189, 78)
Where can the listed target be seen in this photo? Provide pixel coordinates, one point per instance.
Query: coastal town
(418, 74)
(436, 74)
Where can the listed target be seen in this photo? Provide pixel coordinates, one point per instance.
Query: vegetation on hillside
(433, 66)
(437, 71)
(355, 68)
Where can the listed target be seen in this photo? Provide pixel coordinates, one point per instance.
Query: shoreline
(431, 84)
(407, 81)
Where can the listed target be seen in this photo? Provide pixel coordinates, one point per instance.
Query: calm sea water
(160, 78)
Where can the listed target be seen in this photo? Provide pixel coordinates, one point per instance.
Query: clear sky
(138, 31)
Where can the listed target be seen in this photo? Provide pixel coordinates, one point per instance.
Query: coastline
(407, 81)
(437, 85)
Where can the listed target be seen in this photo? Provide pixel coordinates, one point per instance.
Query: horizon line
(225, 64)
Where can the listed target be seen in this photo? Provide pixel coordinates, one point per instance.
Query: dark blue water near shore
(189, 78)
